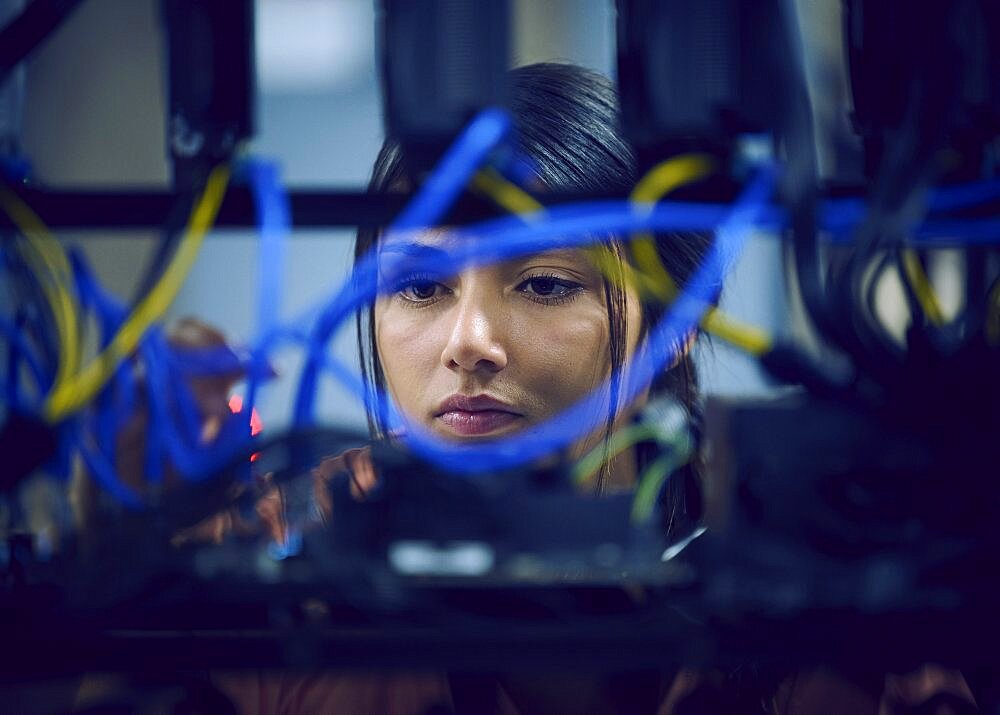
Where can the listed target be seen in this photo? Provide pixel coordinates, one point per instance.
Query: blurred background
(93, 116)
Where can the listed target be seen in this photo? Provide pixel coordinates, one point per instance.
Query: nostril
(477, 337)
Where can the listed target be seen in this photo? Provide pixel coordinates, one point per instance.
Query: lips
(475, 415)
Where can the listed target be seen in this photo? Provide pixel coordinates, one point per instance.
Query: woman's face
(499, 348)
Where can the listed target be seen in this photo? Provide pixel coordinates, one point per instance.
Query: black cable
(872, 289)
(907, 167)
(173, 227)
(22, 35)
(976, 308)
(918, 316)
(895, 212)
(801, 192)
(802, 195)
(969, 324)
(895, 204)
(989, 330)
(801, 181)
(26, 291)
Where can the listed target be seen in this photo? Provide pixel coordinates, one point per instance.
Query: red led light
(256, 425)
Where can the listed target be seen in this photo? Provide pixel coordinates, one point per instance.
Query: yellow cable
(750, 338)
(507, 195)
(651, 278)
(516, 200)
(47, 259)
(660, 180)
(71, 395)
(657, 183)
(922, 287)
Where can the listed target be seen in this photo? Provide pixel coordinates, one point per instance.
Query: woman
(514, 332)
(496, 350)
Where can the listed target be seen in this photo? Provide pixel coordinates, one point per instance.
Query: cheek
(408, 350)
(561, 354)
(556, 355)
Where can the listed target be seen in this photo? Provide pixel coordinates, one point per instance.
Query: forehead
(413, 242)
(428, 243)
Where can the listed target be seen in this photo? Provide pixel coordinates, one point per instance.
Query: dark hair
(567, 122)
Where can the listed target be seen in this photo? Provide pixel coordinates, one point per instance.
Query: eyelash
(409, 282)
(572, 289)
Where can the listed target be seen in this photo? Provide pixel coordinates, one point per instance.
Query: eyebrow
(439, 258)
(402, 257)
(572, 258)
(411, 249)
(573, 255)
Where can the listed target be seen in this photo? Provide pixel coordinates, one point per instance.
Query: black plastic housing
(212, 81)
(693, 75)
(441, 62)
(938, 59)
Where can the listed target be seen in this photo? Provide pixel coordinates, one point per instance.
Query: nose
(476, 342)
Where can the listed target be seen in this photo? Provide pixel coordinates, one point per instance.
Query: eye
(419, 290)
(549, 289)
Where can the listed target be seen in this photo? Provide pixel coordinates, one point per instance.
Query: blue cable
(660, 348)
(274, 221)
(104, 474)
(187, 406)
(952, 198)
(109, 315)
(492, 241)
(115, 404)
(41, 373)
(274, 218)
(153, 447)
(196, 461)
(202, 362)
(483, 246)
(956, 233)
(152, 349)
(17, 341)
(13, 381)
(452, 174)
(189, 458)
(516, 239)
(166, 366)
